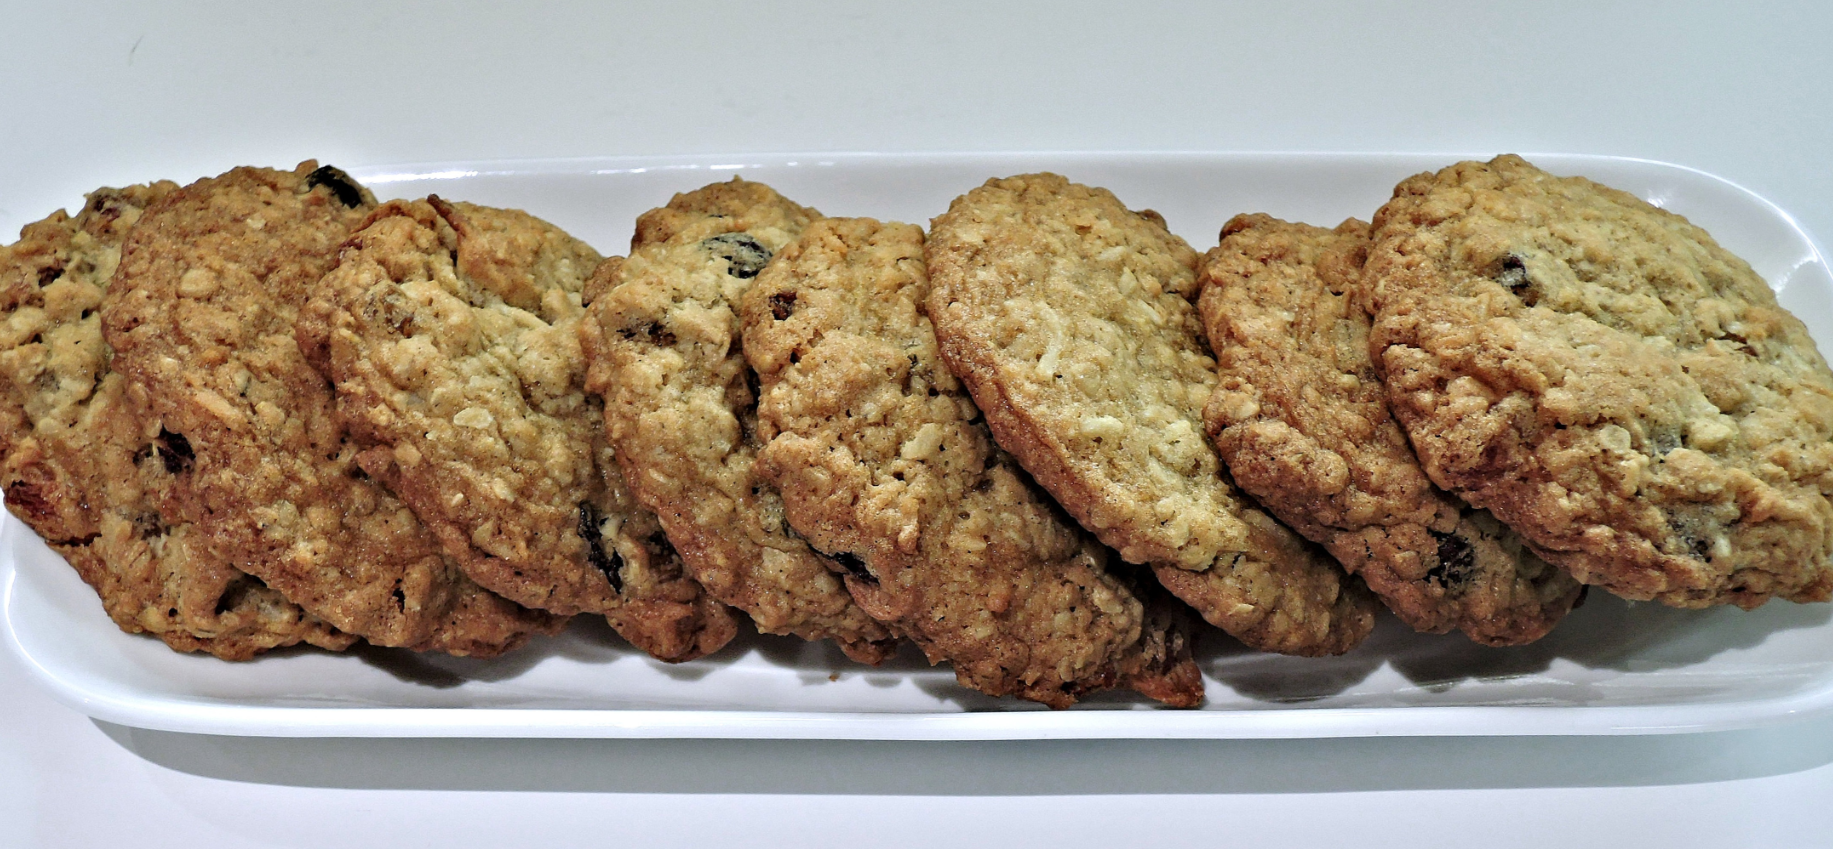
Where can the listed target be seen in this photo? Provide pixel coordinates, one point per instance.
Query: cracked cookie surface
(1070, 320)
(451, 332)
(884, 463)
(663, 346)
(79, 467)
(1301, 419)
(1609, 381)
(201, 315)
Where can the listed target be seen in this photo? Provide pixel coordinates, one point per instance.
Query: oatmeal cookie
(1301, 419)
(451, 332)
(663, 345)
(1070, 320)
(79, 468)
(884, 463)
(200, 314)
(1607, 380)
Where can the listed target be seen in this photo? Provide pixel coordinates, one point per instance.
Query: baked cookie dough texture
(1606, 379)
(80, 465)
(264, 410)
(451, 332)
(1301, 419)
(662, 337)
(1070, 319)
(201, 314)
(884, 463)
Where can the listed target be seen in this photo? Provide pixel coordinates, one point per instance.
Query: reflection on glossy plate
(1611, 668)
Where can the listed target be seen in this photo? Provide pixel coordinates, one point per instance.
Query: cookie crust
(1070, 320)
(201, 316)
(884, 463)
(451, 332)
(663, 347)
(1609, 381)
(1300, 417)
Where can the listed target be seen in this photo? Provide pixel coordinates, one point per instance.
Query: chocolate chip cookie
(1070, 320)
(451, 332)
(201, 316)
(663, 347)
(82, 471)
(885, 465)
(1609, 381)
(1301, 419)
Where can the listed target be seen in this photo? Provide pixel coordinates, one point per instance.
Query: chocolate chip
(347, 191)
(611, 564)
(1513, 275)
(175, 451)
(782, 304)
(1456, 561)
(1695, 544)
(149, 524)
(49, 274)
(744, 256)
(1691, 537)
(653, 332)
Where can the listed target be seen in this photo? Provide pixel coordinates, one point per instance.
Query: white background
(95, 94)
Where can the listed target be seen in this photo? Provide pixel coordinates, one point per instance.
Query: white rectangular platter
(1611, 668)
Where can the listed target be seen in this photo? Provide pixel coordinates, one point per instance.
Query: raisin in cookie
(1301, 419)
(884, 464)
(201, 316)
(1607, 380)
(451, 332)
(1070, 320)
(79, 467)
(663, 345)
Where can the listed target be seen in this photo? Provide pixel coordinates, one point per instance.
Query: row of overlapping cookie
(765, 409)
